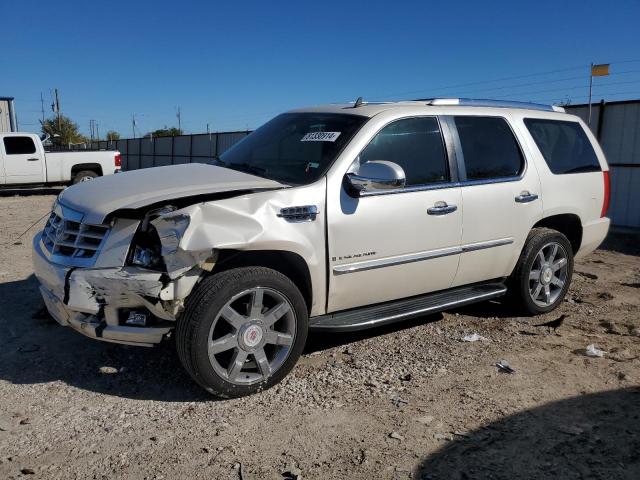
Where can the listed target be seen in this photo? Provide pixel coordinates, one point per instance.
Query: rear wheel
(543, 273)
(242, 331)
(84, 176)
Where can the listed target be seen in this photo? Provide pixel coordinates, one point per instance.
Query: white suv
(337, 218)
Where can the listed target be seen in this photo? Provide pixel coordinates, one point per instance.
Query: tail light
(607, 194)
(117, 160)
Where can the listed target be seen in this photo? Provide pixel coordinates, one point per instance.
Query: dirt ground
(408, 401)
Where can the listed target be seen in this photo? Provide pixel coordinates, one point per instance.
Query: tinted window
(564, 146)
(489, 148)
(416, 145)
(293, 148)
(19, 145)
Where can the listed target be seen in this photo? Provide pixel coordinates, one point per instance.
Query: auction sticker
(320, 137)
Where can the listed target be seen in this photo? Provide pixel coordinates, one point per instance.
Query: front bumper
(90, 300)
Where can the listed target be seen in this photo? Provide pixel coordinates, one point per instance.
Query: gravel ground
(408, 401)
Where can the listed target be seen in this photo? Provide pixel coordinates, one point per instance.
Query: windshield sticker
(320, 137)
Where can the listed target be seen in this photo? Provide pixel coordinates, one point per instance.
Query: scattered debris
(406, 377)
(591, 276)
(398, 401)
(593, 351)
(605, 296)
(611, 327)
(474, 337)
(108, 370)
(396, 436)
(504, 367)
(292, 474)
(553, 324)
(27, 471)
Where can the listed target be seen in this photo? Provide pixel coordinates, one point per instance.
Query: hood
(139, 188)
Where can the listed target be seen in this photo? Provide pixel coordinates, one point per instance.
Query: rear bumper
(67, 295)
(593, 234)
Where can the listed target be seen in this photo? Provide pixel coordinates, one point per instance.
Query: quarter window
(489, 148)
(416, 145)
(564, 145)
(19, 145)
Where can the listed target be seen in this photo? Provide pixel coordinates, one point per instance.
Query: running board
(389, 312)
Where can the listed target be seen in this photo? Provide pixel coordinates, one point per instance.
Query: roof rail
(477, 102)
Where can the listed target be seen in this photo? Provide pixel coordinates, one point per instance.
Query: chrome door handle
(32, 159)
(441, 208)
(526, 197)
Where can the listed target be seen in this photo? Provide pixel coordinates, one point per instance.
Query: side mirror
(375, 176)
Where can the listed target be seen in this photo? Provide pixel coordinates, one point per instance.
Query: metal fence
(617, 127)
(158, 151)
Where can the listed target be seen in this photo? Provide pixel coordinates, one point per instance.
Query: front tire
(242, 331)
(543, 274)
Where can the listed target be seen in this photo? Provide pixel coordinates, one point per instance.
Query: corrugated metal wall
(618, 130)
(5, 116)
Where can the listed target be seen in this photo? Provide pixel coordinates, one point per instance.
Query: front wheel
(242, 331)
(542, 276)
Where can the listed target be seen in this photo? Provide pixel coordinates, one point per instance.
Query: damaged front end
(135, 286)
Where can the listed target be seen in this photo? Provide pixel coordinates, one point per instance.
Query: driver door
(397, 243)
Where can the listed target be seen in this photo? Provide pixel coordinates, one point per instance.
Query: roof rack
(477, 102)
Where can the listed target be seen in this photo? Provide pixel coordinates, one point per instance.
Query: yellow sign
(600, 70)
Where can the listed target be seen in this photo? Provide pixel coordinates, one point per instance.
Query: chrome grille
(72, 242)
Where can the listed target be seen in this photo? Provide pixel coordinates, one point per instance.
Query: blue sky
(236, 64)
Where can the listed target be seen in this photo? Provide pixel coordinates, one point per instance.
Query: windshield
(293, 148)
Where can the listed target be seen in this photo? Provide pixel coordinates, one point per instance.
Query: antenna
(358, 102)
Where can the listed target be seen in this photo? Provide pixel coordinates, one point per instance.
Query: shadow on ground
(594, 436)
(625, 241)
(38, 350)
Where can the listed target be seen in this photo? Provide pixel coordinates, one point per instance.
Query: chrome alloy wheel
(252, 336)
(548, 274)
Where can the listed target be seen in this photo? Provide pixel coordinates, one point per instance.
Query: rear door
(501, 196)
(23, 160)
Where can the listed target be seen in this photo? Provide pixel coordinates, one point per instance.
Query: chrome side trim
(472, 247)
(399, 260)
(418, 257)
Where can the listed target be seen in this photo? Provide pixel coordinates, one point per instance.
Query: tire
(84, 175)
(253, 350)
(531, 272)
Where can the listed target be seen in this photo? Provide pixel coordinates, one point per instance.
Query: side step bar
(396, 310)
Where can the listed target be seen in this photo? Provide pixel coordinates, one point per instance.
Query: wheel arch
(568, 224)
(94, 167)
(288, 263)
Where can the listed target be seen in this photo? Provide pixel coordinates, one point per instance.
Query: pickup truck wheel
(84, 176)
(543, 273)
(242, 331)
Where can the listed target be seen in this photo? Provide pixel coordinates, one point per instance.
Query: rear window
(19, 145)
(489, 148)
(564, 146)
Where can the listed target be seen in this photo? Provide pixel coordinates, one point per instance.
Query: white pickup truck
(23, 161)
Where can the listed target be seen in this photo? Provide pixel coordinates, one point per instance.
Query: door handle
(32, 159)
(441, 208)
(526, 197)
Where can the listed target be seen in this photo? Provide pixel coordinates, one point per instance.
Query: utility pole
(133, 124)
(57, 110)
(42, 106)
(91, 130)
(97, 131)
(179, 120)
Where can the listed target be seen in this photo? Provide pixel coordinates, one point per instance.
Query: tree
(113, 135)
(63, 131)
(165, 132)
